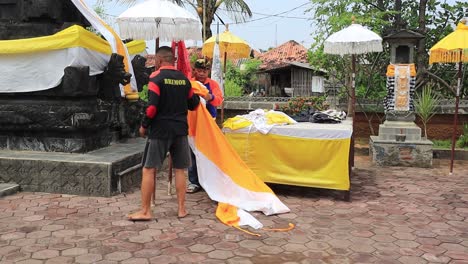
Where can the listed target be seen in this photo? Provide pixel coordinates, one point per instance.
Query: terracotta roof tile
(290, 51)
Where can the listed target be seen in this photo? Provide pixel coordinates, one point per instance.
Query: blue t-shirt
(211, 108)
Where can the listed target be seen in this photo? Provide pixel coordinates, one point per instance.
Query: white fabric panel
(44, 70)
(221, 188)
(248, 219)
(216, 68)
(306, 130)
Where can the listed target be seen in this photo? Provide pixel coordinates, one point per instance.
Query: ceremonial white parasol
(353, 40)
(159, 19)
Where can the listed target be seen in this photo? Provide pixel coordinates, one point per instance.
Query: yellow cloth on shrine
(391, 69)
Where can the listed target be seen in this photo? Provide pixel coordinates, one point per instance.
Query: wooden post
(353, 105)
(156, 46)
(455, 118)
(222, 104)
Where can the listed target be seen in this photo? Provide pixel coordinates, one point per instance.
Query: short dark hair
(166, 54)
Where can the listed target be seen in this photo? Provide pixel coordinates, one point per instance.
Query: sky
(262, 32)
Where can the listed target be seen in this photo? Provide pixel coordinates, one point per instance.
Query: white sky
(261, 34)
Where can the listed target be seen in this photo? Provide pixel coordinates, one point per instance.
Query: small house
(285, 71)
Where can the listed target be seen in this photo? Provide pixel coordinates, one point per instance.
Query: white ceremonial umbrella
(352, 40)
(159, 19)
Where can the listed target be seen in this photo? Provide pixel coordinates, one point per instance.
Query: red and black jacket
(170, 97)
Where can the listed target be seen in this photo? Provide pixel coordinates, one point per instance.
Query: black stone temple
(81, 114)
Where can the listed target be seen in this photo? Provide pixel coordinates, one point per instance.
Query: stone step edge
(8, 189)
(460, 154)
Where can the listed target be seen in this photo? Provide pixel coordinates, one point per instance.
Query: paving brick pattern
(397, 215)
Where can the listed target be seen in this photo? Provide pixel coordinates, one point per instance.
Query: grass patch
(445, 144)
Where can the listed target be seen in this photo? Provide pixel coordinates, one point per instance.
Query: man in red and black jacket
(170, 97)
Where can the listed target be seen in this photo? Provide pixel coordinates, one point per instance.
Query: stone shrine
(57, 140)
(83, 112)
(399, 142)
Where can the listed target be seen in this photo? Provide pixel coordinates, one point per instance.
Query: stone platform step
(8, 189)
(103, 172)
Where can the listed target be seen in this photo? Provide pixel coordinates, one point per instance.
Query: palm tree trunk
(421, 52)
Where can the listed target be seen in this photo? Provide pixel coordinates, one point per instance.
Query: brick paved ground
(397, 215)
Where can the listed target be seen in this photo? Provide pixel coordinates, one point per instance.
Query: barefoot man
(170, 97)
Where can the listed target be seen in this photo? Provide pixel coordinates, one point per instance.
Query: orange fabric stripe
(229, 162)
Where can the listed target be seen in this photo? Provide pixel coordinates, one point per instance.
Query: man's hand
(208, 97)
(142, 132)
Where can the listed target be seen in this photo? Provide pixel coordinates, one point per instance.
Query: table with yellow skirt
(302, 154)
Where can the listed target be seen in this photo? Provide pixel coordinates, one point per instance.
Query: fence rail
(446, 106)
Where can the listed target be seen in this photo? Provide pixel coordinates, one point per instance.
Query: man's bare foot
(182, 214)
(140, 216)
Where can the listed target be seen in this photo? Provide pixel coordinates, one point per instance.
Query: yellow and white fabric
(260, 120)
(36, 64)
(302, 154)
(115, 42)
(225, 177)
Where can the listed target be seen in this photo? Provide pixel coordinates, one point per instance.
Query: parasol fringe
(448, 56)
(147, 29)
(346, 48)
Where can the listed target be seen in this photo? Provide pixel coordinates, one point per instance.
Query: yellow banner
(74, 36)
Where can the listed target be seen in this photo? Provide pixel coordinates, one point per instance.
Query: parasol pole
(455, 118)
(353, 104)
(156, 46)
(204, 21)
(224, 73)
(353, 98)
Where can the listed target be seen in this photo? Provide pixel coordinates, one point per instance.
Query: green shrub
(442, 144)
(298, 104)
(462, 141)
(144, 93)
(231, 88)
(246, 78)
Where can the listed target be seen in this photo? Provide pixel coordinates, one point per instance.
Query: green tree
(245, 78)
(238, 10)
(100, 9)
(432, 18)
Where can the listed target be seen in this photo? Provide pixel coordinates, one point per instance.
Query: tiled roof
(290, 51)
